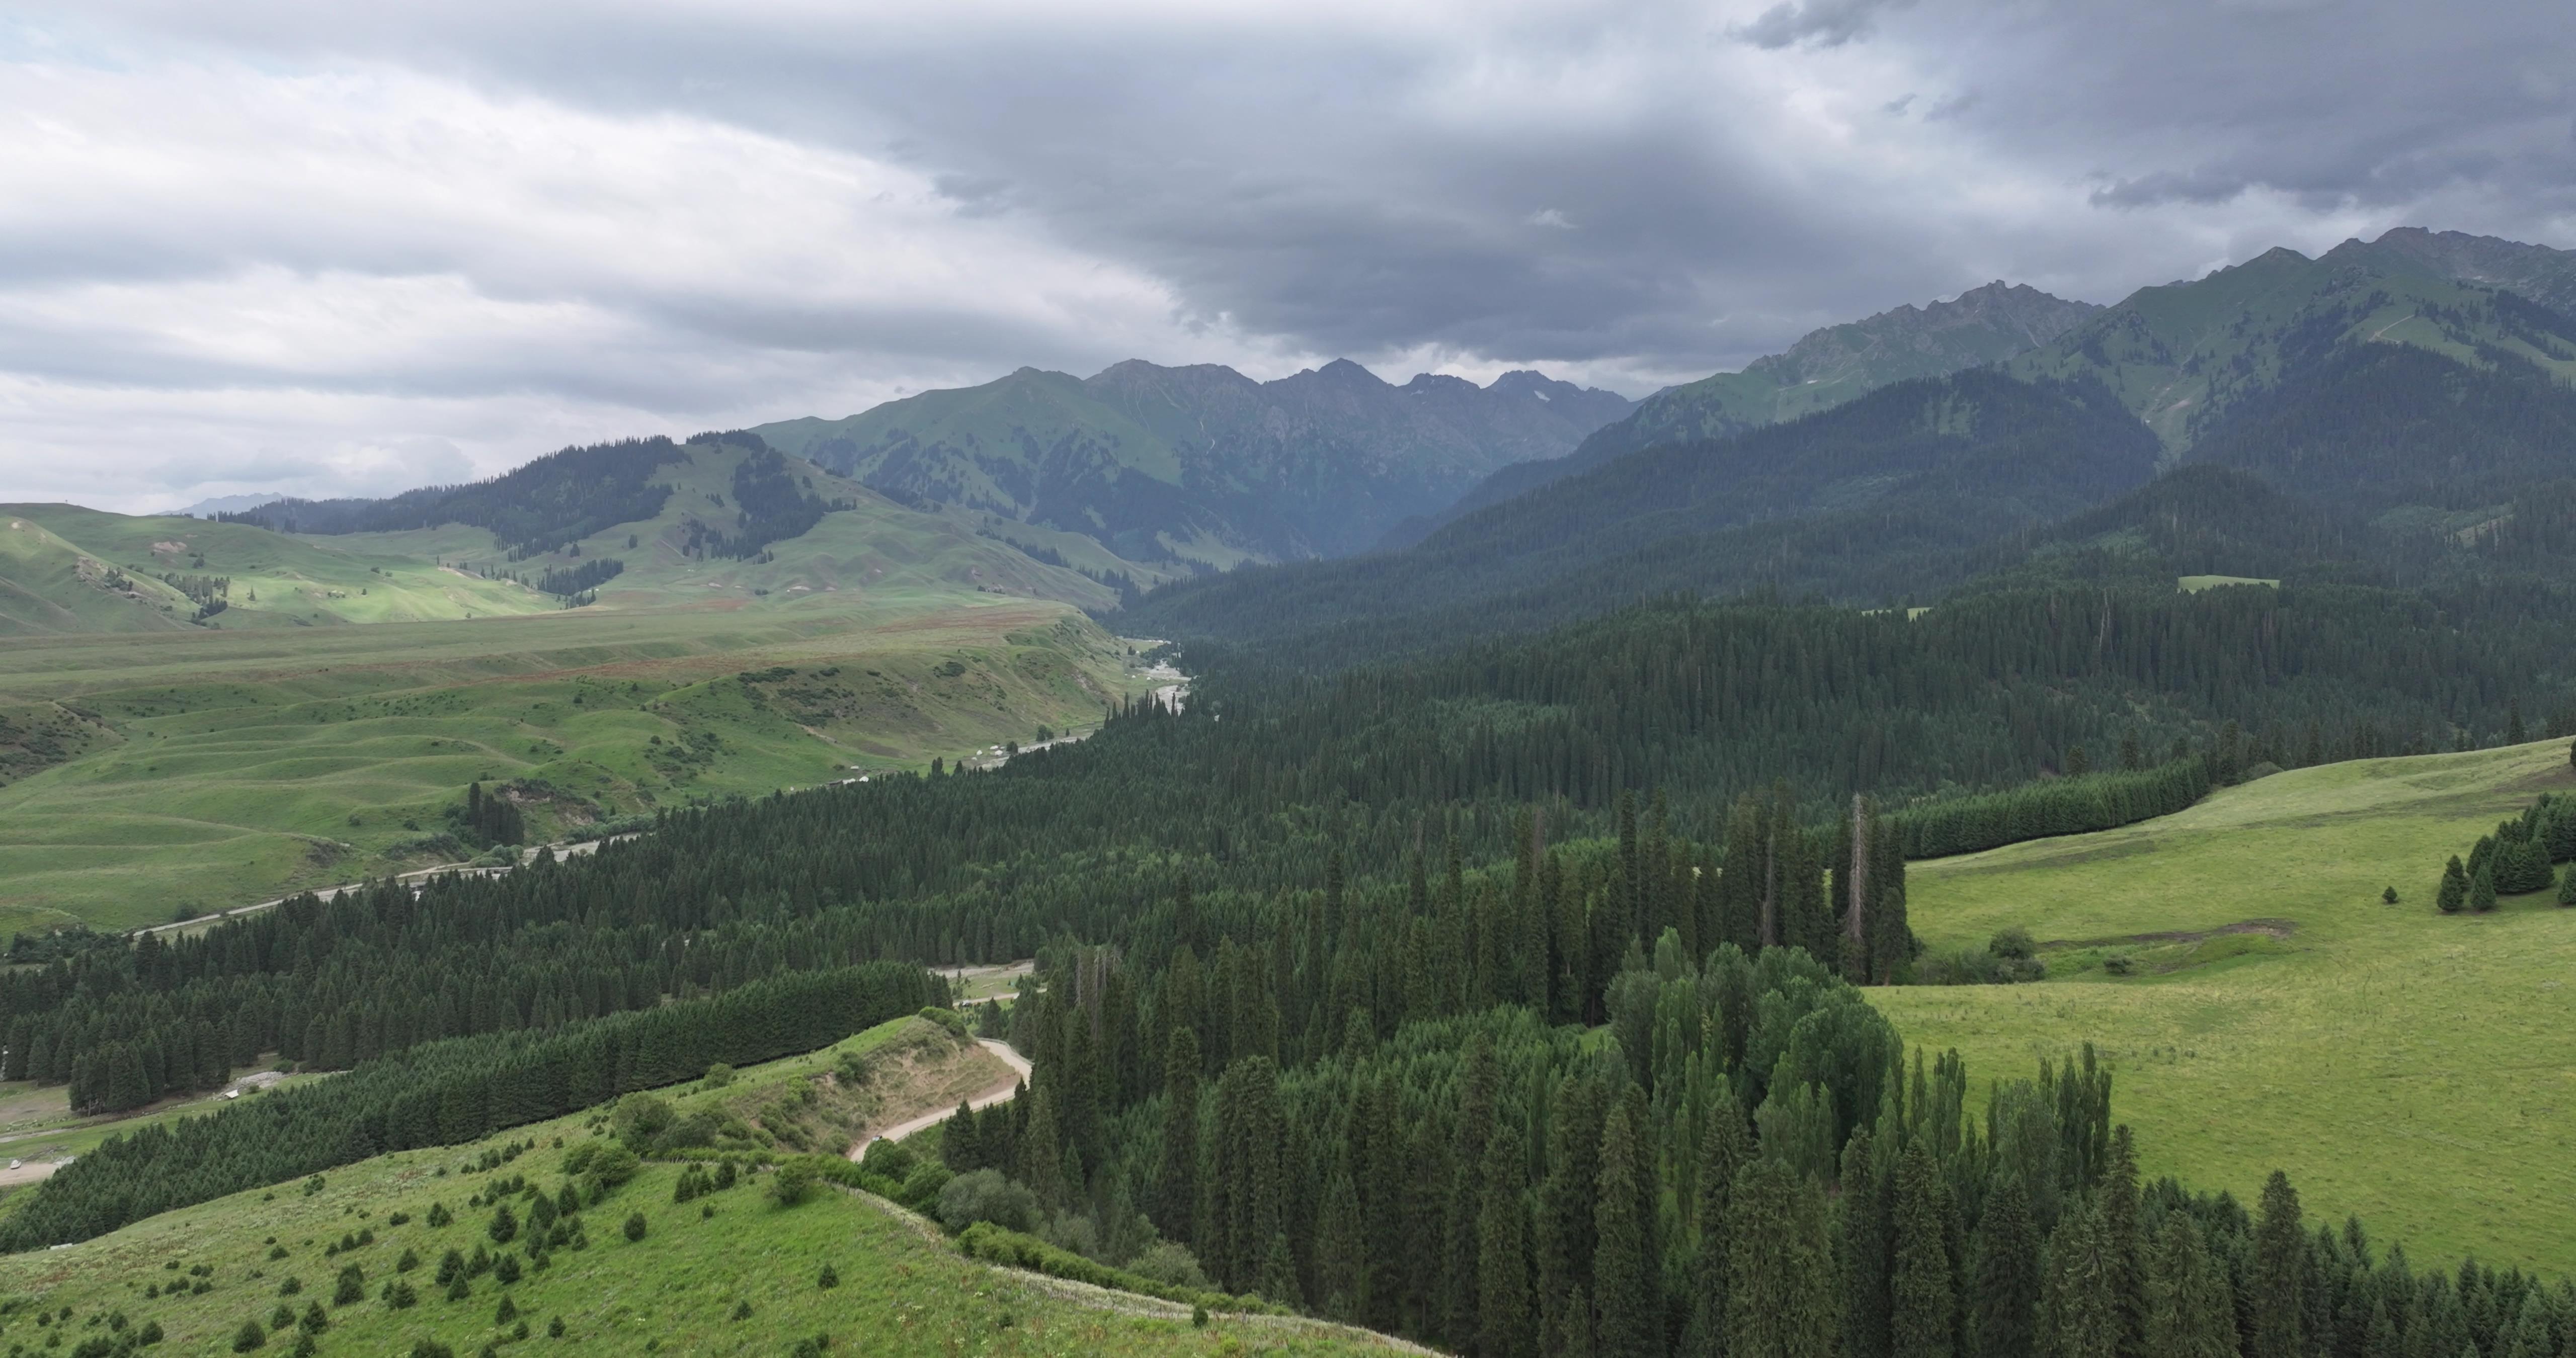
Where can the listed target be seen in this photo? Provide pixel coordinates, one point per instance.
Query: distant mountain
(1847, 501)
(2185, 356)
(1823, 370)
(227, 504)
(1202, 463)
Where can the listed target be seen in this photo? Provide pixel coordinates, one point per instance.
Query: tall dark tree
(2003, 1301)
(1628, 1323)
(1922, 1287)
(1780, 1287)
(2277, 1276)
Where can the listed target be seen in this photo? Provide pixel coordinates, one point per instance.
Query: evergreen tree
(1176, 1181)
(2276, 1275)
(2453, 895)
(2003, 1303)
(1503, 1270)
(2482, 889)
(2119, 1201)
(1341, 1252)
(1865, 1249)
(2190, 1310)
(1624, 1284)
(2078, 1313)
(1780, 1285)
(1725, 1148)
(1922, 1292)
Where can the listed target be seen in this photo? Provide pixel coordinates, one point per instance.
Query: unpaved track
(572, 849)
(999, 1093)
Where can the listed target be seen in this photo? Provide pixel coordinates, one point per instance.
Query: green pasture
(681, 1289)
(2406, 1067)
(2194, 584)
(248, 763)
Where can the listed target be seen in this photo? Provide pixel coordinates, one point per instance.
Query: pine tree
(1624, 1287)
(2482, 889)
(1725, 1148)
(2119, 1200)
(1922, 1307)
(2454, 893)
(1341, 1252)
(1502, 1268)
(2276, 1274)
(1780, 1283)
(2190, 1310)
(2002, 1305)
(1176, 1181)
(1863, 1245)
(2078, 1313)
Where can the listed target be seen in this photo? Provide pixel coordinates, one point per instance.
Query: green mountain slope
(1823, 370)
(730, 1272)
(48, 585)
(1202, 463)
(2277, 1014)
(1928, 468)
(2184, 355)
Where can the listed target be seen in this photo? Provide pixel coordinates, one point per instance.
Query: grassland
(728, 1274)
(230, 766)
(2406, 1067)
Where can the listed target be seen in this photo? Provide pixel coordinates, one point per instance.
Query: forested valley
(1507, 996)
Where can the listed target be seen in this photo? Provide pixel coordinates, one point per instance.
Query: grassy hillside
(224, 767)
(276, 580)
(728, 1274)
(48, 585)
(2404, 1066)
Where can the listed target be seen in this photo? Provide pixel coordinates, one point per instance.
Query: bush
(1012, 1249)
(1170, 1263)
(635, 1225)
(250, 1336)
(719, 1075)
(2119, 964)
(613, 1166)
(794, 1182)
(2013, 944)
(985, 1196)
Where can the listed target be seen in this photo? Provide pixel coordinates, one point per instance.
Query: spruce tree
(1863, 1244)
(1502, 1248)
(2482, 889)
(1922, 1304)
(1725, 1148)
(1176, 1180)
(2454, 893)
(1624, 1284)
(2277, 1274)
(2119, 1196)
(1780, 1300)
(2078, 1314)
(2191, 1312)
(2003, 1302)
(1341, 1252)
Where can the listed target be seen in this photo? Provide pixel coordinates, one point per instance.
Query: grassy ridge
(2403, 1066)
(256, 762)
(675, 1291)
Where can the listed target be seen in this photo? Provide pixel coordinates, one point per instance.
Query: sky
(329, 249)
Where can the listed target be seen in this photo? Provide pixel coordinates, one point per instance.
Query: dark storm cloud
(1641, 191)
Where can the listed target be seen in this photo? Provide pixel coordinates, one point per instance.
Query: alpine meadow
(1802, 680)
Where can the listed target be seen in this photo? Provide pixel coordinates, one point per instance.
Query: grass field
(682, 1289)
(229, 765)
(2407, 1067)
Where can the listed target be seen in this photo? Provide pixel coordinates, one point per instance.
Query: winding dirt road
(999, 1093)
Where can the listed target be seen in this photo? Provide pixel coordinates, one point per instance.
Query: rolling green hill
(231, 766)
(729, 1273)
(47, 585)
(2403, 1065)
(1202, 463)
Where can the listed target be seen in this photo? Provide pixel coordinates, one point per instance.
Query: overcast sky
(350, 248)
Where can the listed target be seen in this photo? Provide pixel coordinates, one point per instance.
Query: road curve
(999, 1093)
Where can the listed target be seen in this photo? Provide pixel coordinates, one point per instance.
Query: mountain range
(1201, 462)
(2406, 415)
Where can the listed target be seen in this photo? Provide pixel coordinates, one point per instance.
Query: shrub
(2013, 944)
(828, 1279)
(793, 1183)
(1170, 1263)
(250, 1336)
(2119, 964)
(984, 1195)
(635, 1225)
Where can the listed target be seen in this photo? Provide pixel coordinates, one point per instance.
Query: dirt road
(999, 1093)
(574, 849)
